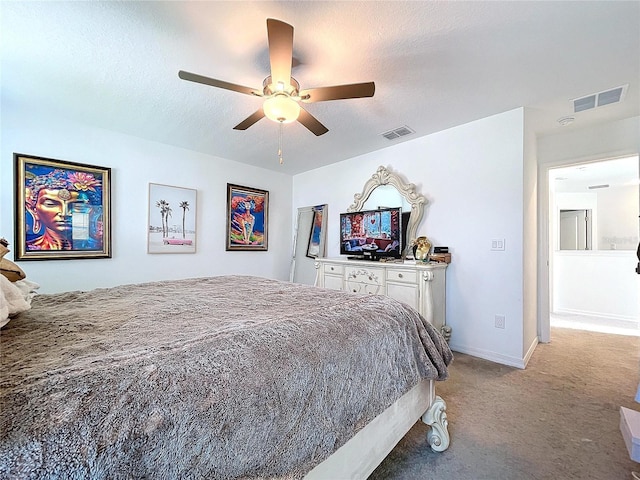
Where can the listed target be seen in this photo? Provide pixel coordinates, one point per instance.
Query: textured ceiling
(436, 65)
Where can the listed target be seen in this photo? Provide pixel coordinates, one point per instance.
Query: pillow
(12, 301)
(4, 247)
(27, 288)
(11, 270)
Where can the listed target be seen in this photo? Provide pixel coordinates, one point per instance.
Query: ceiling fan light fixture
(281, 108)
(280, 91)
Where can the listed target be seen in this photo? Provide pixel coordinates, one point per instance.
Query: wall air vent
(600, 99)
(397, 133)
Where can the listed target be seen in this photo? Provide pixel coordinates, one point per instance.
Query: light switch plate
(497, 244)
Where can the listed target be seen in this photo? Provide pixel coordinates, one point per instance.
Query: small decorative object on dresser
(440, 254)
(440, 257)
(421, 249)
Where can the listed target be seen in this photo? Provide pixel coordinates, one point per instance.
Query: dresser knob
(399, 275)
(331, 268)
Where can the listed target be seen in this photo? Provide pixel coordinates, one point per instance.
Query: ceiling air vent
(600, 99)
(397, 133)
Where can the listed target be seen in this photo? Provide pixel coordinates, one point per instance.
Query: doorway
(592, 285)
(575, 229)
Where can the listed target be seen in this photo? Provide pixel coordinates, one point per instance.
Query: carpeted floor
(557, 419)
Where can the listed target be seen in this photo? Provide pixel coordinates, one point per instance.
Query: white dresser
(420, 285)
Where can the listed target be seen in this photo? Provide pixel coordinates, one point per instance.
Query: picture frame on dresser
(62, 209)
(247, 218)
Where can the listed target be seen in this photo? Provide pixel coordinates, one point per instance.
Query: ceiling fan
(280, 90)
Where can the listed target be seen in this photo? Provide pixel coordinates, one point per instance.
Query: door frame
(545, 242)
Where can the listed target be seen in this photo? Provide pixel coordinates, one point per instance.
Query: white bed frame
(360, 456)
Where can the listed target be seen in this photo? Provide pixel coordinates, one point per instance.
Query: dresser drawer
(333, 269)
(364, 280)
(333, 282)
(405, 276)
(366, 288)
(365, 275)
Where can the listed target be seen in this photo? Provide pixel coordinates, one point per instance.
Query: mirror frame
(383, 176)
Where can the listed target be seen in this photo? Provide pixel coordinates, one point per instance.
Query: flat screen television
(372, 234)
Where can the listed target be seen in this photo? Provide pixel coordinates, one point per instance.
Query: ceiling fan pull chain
(280, 145)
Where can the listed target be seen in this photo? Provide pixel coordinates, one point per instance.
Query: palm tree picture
(163, 234)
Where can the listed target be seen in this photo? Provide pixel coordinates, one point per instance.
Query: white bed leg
(436, 418)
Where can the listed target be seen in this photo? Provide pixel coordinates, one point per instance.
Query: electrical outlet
(500, 321)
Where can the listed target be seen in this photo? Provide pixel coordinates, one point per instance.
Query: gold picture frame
(62, 209)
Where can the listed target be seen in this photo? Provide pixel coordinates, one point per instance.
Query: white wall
(134, 164)
(600, 283)
(600, 142)
(472, 176)
(618, 228)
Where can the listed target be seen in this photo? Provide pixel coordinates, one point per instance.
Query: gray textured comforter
(216, 378)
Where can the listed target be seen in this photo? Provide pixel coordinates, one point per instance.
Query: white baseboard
(631, 320)
(532, 348)
(493, 356)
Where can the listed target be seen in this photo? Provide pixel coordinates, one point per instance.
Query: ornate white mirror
(386, 187)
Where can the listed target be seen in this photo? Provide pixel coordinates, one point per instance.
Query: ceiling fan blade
(280, 37)
(309, 121)
(194, 77)
(250, 120)
(338, 92)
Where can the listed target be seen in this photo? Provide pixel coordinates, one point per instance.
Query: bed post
(436, 418)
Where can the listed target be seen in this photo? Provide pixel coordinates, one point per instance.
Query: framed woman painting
(247, 218)
(62, 209)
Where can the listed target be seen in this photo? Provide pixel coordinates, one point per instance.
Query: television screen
(372, 233)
